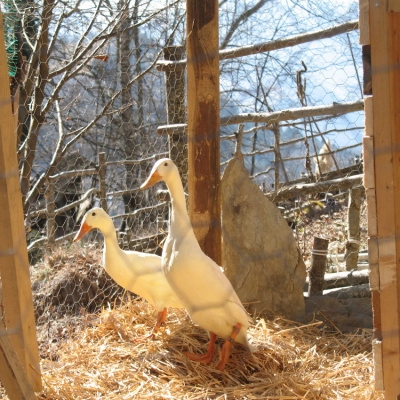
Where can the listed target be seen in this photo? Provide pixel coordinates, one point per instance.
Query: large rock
(260, 254)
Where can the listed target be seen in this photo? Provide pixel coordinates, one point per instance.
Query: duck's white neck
(179, 216)
(110, 238)
(111, 254)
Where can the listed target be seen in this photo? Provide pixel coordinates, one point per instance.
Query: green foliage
(11, 40)
(12, 14)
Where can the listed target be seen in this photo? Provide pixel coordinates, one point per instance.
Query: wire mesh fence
(99, 93)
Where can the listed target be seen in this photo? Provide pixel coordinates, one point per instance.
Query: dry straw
(108, 359)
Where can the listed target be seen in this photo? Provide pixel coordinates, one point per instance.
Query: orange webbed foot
(227, 347)
(207, 357)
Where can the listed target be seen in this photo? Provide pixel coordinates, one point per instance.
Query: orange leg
(161, 317)
(228, 345)
(207, 357)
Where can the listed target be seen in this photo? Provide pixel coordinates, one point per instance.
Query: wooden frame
(382, 183)
(379, 22)
(19, 355)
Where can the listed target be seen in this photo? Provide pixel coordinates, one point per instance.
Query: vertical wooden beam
(385, 62)
(373, 247)
(203, 123)
(14, 265)
(13, 375)
(364, 21)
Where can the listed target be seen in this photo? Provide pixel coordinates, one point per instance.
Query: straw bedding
(108, 358)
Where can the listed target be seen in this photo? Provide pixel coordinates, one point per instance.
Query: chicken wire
(91, 93)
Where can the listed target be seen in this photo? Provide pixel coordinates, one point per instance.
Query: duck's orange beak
(151, 180)
(85, 228)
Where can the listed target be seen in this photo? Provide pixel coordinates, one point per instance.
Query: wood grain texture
(203, 124)
(385, 57)
(14, 265)
(364, 21)
(13, 376)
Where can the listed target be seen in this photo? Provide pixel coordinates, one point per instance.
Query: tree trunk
(131, 120)
(36, 97)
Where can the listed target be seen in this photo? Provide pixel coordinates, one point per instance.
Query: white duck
(140, 273)
(198, 281)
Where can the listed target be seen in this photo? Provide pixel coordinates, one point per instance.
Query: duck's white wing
(202, 286)
(144, 263)
(156, 289)
(142, 274)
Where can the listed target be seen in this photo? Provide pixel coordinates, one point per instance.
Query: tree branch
(242, 17)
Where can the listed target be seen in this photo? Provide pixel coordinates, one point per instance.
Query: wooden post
(373, 253)
(318, 266)
(13, 376)
(353, 226)
(203, 124)
(384, 37)
(102, 178)
(14, 266)
(176, 109)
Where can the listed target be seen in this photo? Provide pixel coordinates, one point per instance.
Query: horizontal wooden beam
(318, 187)
(270, 118)
(291, 41)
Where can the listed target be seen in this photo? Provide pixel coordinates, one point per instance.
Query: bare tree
(70, 43)
(88, 84)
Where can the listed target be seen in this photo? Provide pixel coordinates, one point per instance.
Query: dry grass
(102, 356)
(106, 359)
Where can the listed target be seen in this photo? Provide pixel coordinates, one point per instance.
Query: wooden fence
(379, 29)
(175, 66)
(342, 179)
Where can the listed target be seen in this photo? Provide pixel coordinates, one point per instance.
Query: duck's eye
(166, 164)
(93, 214)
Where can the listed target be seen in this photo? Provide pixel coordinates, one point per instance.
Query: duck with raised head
(140, 273)
(198, 281)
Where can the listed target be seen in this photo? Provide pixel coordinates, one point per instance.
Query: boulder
(260, 254)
